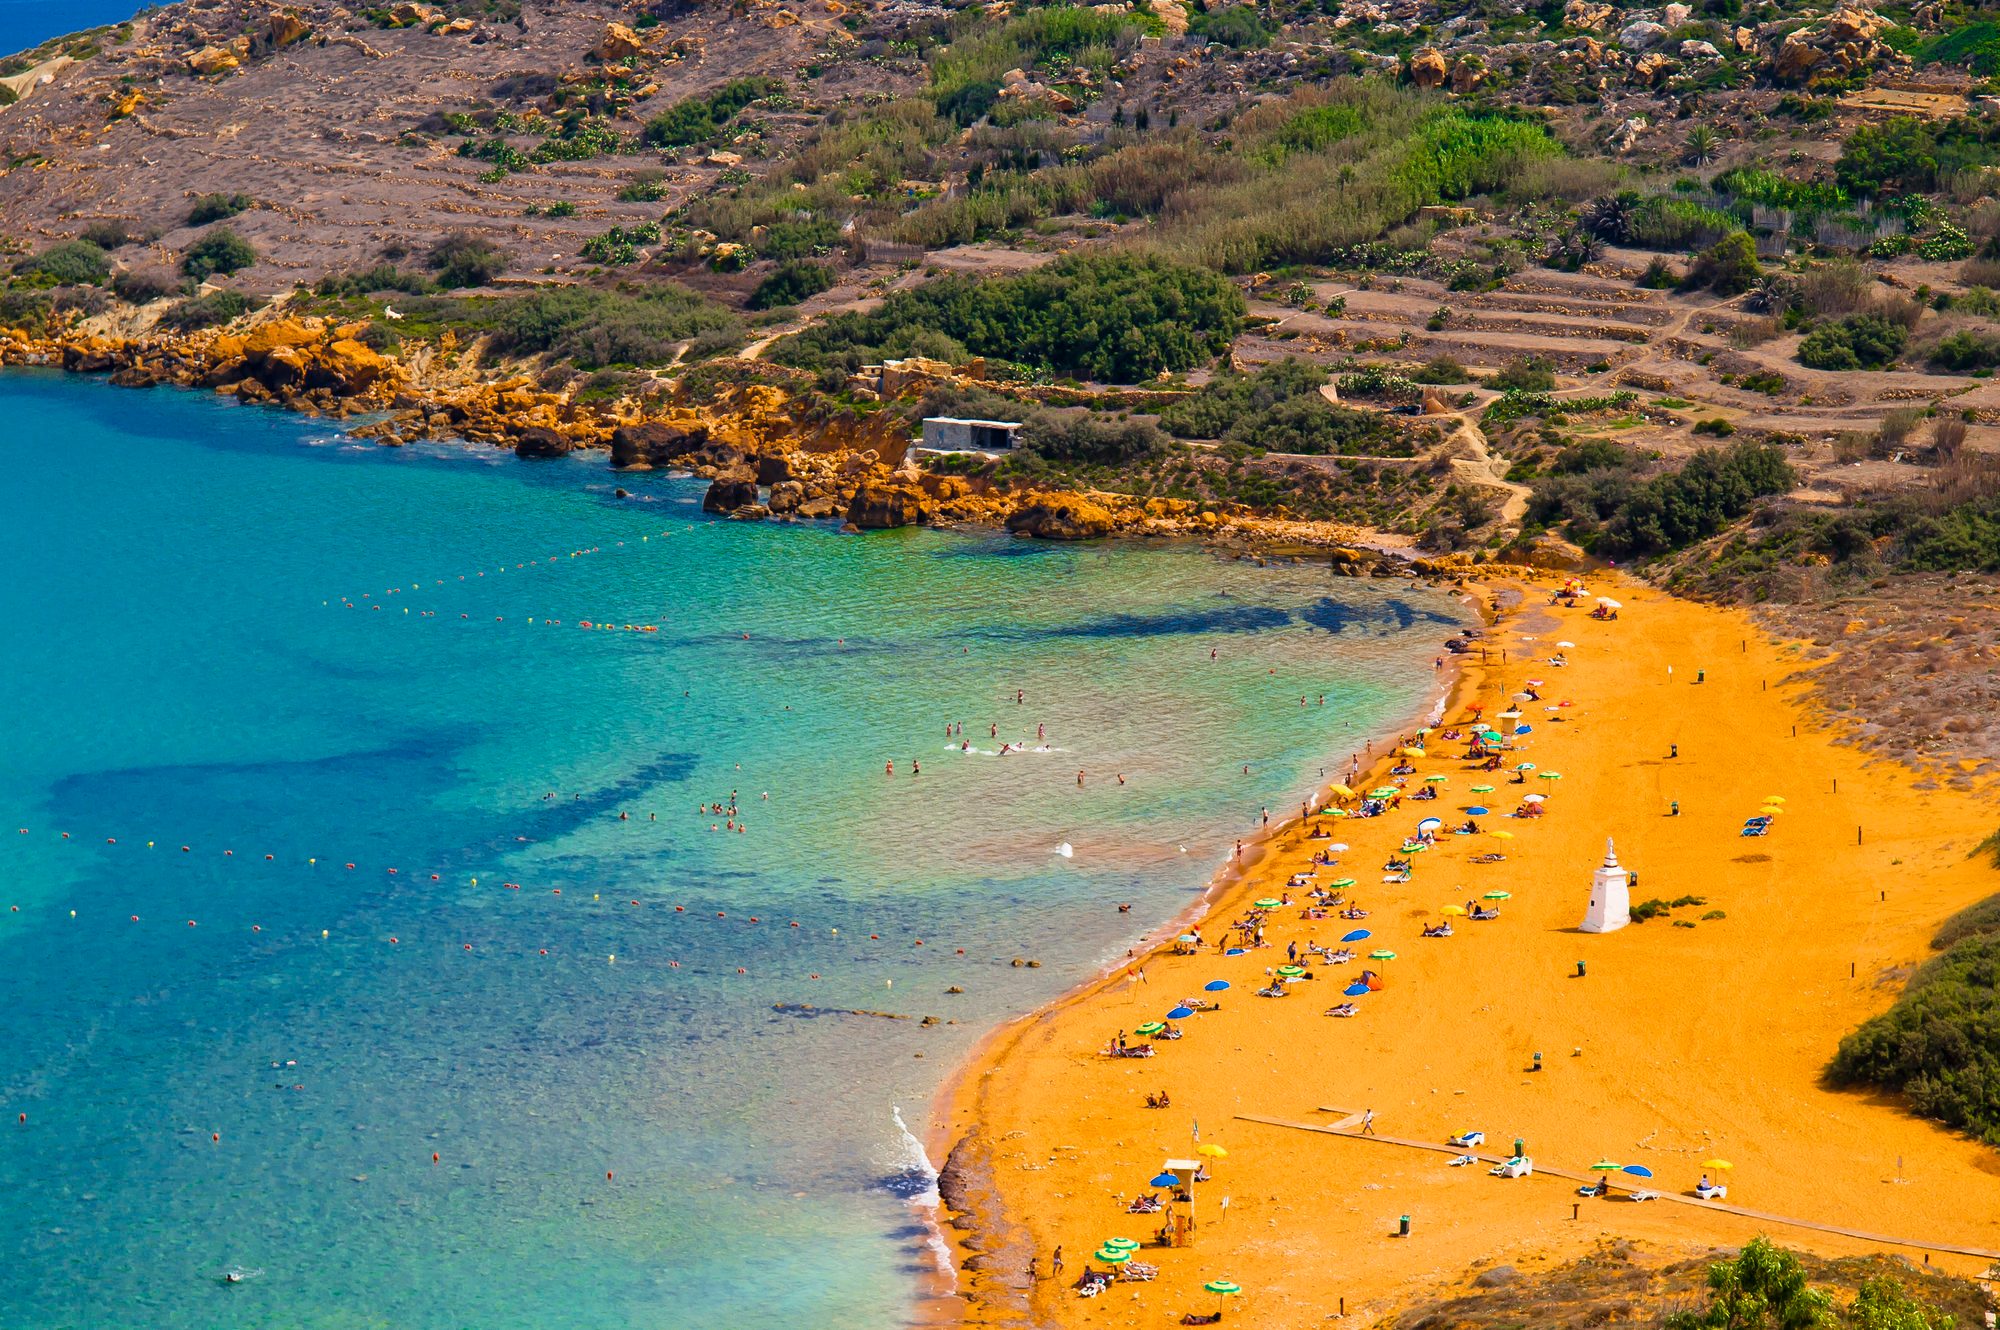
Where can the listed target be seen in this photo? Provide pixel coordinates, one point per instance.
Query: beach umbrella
(1525, 766)
(1524, 729)
(1533, 798)
(1150, 1027)
(1215, 985)
(1411, 751)
(1548, 775)
(1358, 935)
(1340, 790)
(1478, 810)
(1383, 955)
(1113, 1255)
(1269, 903)
(1430, 824)
(1212, 1151)
(1567, 646)
(1121, 1244)
(1343, 882)
(1606, 603)
(1498, 896)
(1383, 792)
(1180, 1013)
(1355, 989)
(1165, 1180)
(1222, 1288)
(1774, 798)
(1482, 789)
(1237, 951)
(1334, 812)
(1338, 847)
(1637, 1170)
(1291, 971)
(1722, 1164)
(1606, 1166)
(1452, 909)
(1501, 835)
(1534, 683)
(1436, 780)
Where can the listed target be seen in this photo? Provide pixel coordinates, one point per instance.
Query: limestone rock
(1651, 67)
(881, 504)
(1173, 14)
(284, 27)
(1642, 35)
(1674, 15)
(1587, 15)
(409, 15)
(655, 443)
(619, 43)
(1061, 517)
(276, 335)
(538, 442)
(787, 496)
(213, 60)
(728, 493)
(1692, 50)
(1428, 68)
(354, 366)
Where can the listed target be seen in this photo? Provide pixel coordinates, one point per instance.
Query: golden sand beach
(1679, 1045)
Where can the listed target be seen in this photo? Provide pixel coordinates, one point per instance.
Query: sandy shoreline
(945, 1301)
(1688, 1042)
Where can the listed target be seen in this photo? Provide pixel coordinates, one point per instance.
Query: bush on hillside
(595, 328)
(1939, 1046)
(1613, 513)
(207, 311)
(463, 259)
(699, 119)
(1728, 267)
(791, 283)
(220, 251)
(217, 208)
(1278, 407)
(1859, 341)
(1117, 318)
(69, 263)
(1239, 26)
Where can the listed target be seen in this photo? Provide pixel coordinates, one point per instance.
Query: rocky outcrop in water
(1061, 517)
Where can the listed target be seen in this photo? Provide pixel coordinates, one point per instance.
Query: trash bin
(1579, 969)
(1405, 1230)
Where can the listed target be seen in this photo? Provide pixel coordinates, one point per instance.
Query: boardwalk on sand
(1346, 1129)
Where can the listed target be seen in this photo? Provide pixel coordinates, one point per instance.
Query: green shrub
(1966, 350)
(792, 282)
(1239, 26)
(67, 263)
(1442, 370)
(1939, 1045)
(1086, 439)
(796, 239)
(1525, 374)
(646, 187)
(219, 251)
(139, 287)
(699, 119)
(1728, 267)
(366, 281)
(463, 259)
(218, 207)
(1859, 341)
(1119, 318)
(1717, 428)
(619, 245)
(1613, 513)
(1278, 407)
(595, 328)
(107, 235)
(206, 311)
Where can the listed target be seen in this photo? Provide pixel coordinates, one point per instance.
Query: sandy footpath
(1680, 1044)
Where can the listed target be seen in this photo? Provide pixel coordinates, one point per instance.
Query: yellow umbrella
(1340, 791)
(1452, 909)
(1212, 1151)
(1717, 1163)
(1501, 835)
(1411, 751)
(1774, 798)
(1771, 810)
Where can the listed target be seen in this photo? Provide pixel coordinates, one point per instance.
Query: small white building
(949, 434)
(1610, 895)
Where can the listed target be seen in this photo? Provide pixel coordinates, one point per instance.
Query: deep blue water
(26, 23)
(243, 654)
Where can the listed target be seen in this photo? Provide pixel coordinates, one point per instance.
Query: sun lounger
(1518, 1167)
(1461, 1161)
(1645, 1196)
(1093, 1284)
(1467, 1140)
(1144, 1205)
(1344, 1009)
(1129, 1051)
(1275, 990)
(1138, 1272)
(1713, 1192)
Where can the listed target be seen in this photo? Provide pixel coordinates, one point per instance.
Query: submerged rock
(538, 442)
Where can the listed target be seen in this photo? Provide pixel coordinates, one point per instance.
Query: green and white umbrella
(1548, 775)
(1482, 789)
(1383, 792)
(1383, 955)
(1498, 896)
(1342, 882)
(1269, 903)
(1291, 971)
(1113, 1255)
(1150, 1027)
(1436, 780)
(1121, 1244)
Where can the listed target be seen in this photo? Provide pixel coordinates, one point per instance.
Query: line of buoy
(518, 565)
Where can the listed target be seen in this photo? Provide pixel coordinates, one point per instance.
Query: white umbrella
(1567, 646)
(1606, 603)
(1533, 798)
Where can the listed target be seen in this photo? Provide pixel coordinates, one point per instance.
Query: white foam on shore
(914, 1162)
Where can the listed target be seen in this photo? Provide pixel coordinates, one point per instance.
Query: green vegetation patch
(1279, 409)
(1121, 319)
(702, 119)
(1615, 512)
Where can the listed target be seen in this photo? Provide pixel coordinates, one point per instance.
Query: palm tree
(1701, 144)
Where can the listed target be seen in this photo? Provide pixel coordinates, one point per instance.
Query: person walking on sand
(1368, 1122)
(1055, 1262)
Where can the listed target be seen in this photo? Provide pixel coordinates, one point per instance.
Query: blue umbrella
(1477, 811)
(1180, 1013)
(1165, 1180)
(1215, 985)
(1237, 951)
(1529, 729)
(1356, 989)
(1358, 935)
(1638, 1170)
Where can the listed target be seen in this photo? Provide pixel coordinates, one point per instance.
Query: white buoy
(1066, 850)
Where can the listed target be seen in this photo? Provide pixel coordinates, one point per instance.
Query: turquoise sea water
(183, 669)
